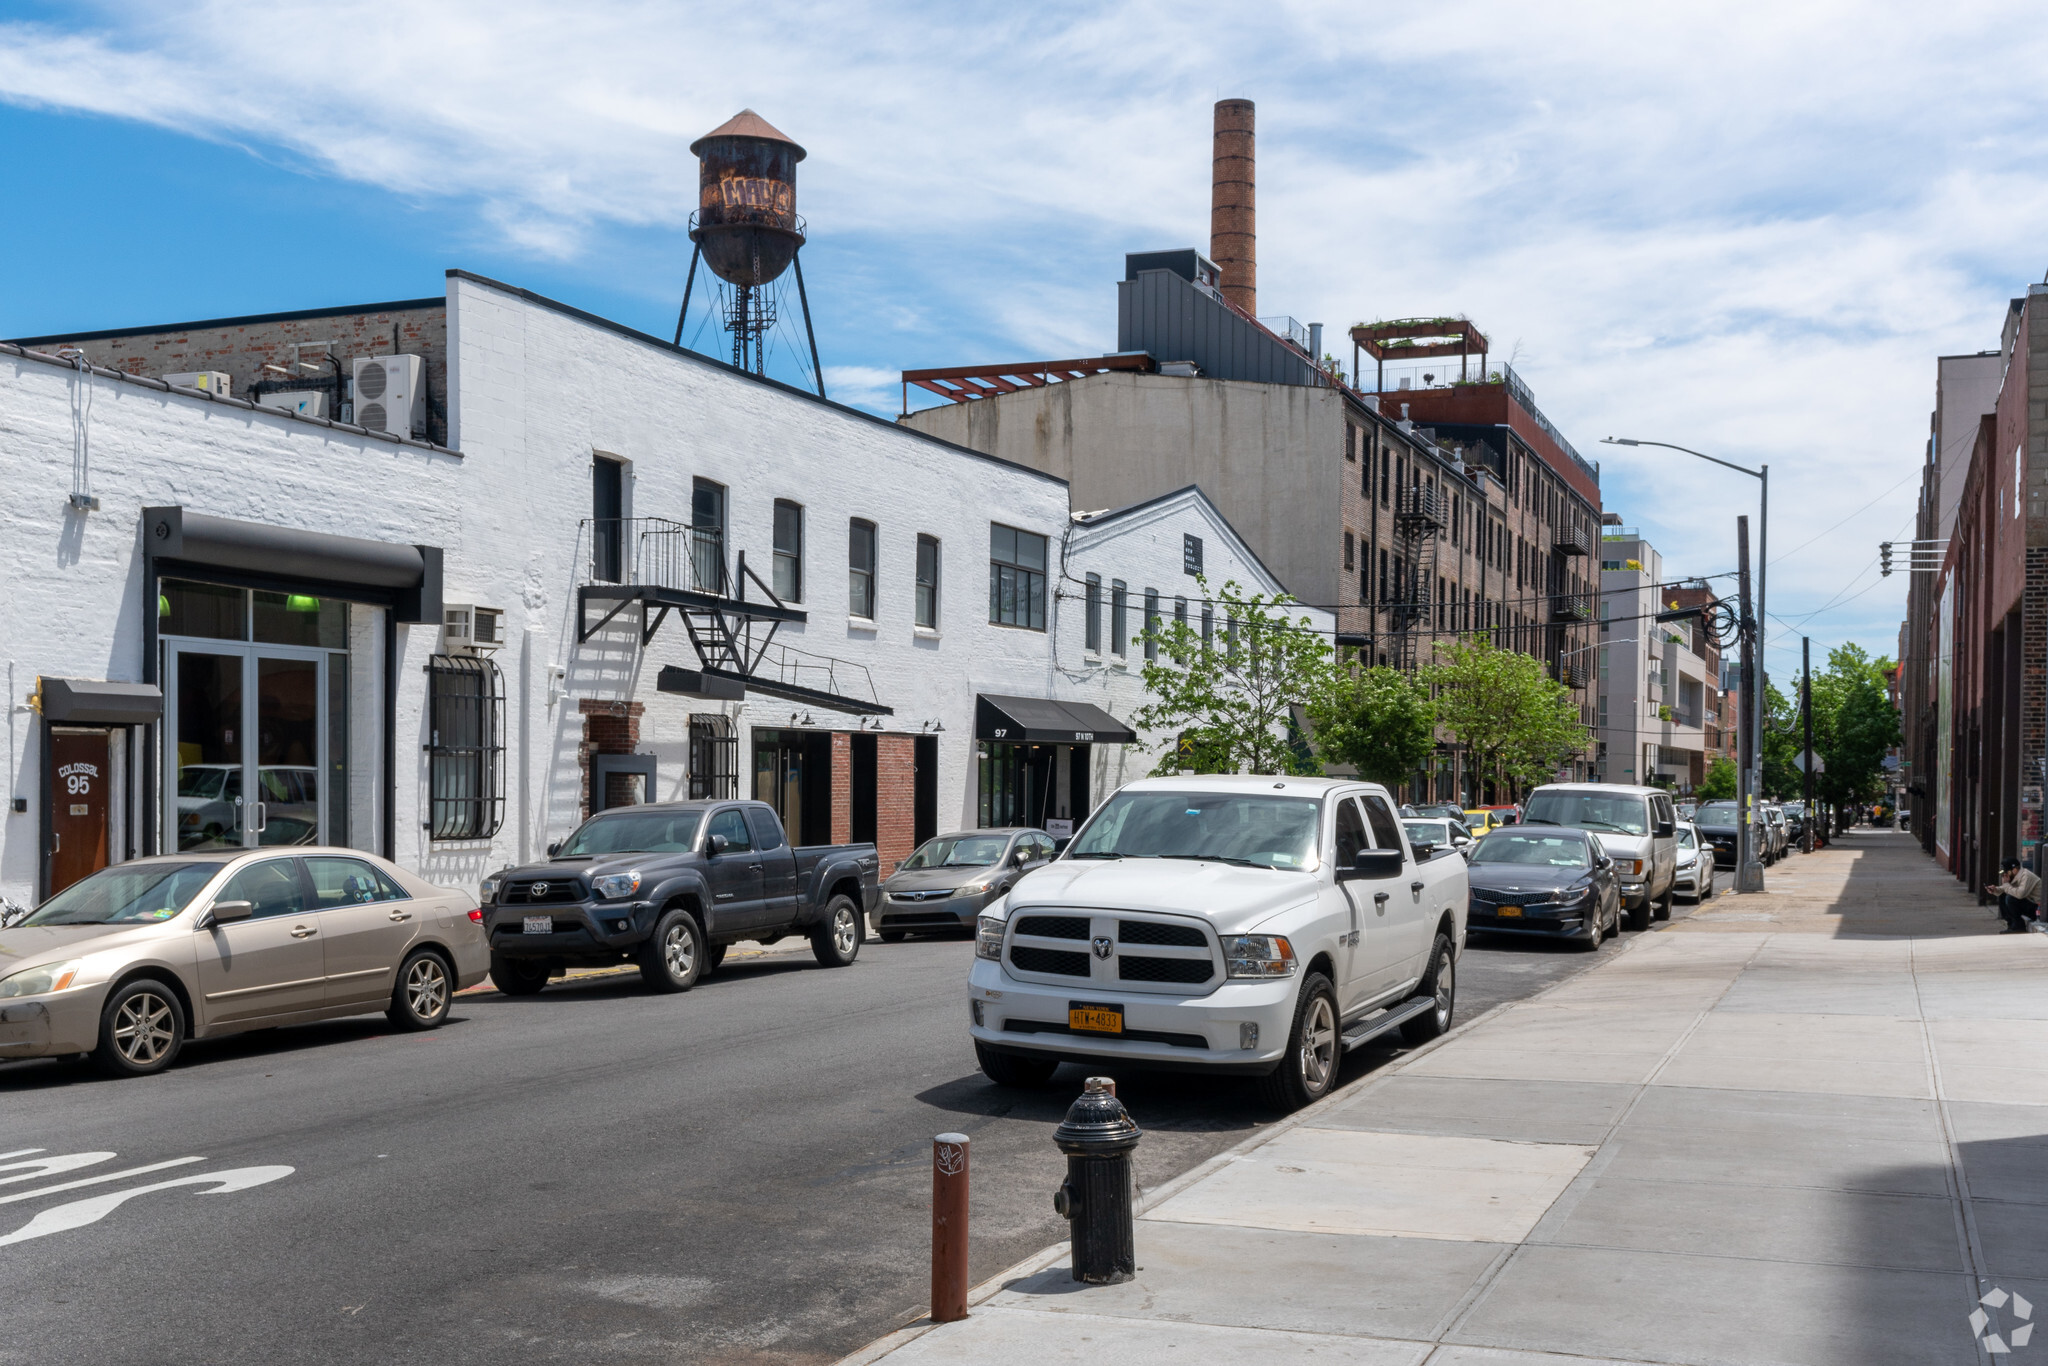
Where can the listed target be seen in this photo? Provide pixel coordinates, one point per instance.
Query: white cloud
(1746, 228)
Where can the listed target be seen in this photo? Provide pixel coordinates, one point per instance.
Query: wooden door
(79, 793)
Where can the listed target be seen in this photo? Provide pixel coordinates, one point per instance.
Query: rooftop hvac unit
(473, 628)
(212, 381)
(304, 402)
(389, 395)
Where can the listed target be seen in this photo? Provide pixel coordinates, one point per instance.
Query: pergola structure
(1416, 339)
(965, 383)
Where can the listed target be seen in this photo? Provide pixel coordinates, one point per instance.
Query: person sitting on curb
(2019, 896)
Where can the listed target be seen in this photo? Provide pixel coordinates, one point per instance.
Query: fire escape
(1418, 525)
(672, 568)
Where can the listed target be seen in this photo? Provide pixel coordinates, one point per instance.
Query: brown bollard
(949, 1228)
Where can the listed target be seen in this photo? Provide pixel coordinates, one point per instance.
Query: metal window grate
(465, 748)
(714, 757)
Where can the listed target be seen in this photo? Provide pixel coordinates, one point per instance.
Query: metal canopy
(1040, 720)
(86, 701)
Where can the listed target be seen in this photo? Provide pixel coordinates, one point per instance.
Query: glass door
(246, 748)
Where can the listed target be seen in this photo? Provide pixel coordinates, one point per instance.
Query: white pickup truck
(1251, 925)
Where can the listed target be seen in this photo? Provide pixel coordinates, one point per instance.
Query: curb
(1149, 1199)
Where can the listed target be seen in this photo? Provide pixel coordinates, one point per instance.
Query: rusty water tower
(747, 231)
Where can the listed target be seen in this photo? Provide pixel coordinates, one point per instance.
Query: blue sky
(1747, 229)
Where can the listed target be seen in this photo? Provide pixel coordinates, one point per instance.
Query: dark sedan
(1716, 822)
(1545, 881)
(944, 885)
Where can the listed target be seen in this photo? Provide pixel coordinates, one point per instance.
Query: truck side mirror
(1373, 865)
(554, 848)
(1423, 852)
(716, 845)
(1665, 830)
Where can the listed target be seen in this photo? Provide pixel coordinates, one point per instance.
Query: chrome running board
(1393, 1017)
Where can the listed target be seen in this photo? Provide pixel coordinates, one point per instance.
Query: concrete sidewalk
(1807, 1127)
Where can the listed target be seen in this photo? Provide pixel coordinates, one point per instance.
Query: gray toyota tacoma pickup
(668, 886)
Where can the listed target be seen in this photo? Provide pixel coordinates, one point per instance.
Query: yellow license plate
(1095, 1020)
(1507, 910)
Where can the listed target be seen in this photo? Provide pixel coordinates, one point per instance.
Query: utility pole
(1806, 721)
(1749, 873)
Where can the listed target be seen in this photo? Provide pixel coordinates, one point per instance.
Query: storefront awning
(91, 702)
(1042, 721)
(410, 573)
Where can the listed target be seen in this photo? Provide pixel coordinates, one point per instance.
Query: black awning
(88, 701)
(412, 573)
(1042, 721)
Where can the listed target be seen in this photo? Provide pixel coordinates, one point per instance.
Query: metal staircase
(1418, 526)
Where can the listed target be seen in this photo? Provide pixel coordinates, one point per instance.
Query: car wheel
(424, 992)
(836, 941)
(893, 936)
(1441, 983)
(1309, 1068)
(1663, 908)
(1591, 943)
(518, 976)
(1008, 1069)
(673, 956)
(714, 954)
(1639, 916)
(142, 1027)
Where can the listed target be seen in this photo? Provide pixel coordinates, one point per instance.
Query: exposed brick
(842, 787)
(895, 799)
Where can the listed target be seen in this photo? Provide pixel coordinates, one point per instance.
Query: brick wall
(895, 799)
(842, 787)
(2033, 703)
(610, 728)
(241, 347)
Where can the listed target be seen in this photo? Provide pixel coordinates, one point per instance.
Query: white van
(1638, 828)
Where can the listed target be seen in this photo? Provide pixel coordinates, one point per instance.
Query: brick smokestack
(1233, 232)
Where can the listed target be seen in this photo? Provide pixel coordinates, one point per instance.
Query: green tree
(1508, 713)
(1782, 776)
(1720, 782)
(1379, 720)
(1854, 723)
(1228, 702)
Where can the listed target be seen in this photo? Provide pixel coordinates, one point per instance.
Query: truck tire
(424, 993)
(1309, 1068)
(518, 976)
(142, 1027)
(673, 957)
(1639, 916)
(893, 936)
(836, 941)
(1663, 908)
(1441, 982)
(1008, 1069)
(713, 956)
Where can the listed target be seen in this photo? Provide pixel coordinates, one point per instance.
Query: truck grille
(1184, 970)
(1049, 960)
(1151, 932)
(1054, 926)
(1127, 953)
(542, 891)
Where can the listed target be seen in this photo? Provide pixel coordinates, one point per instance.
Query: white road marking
(19, 1152)
(79, 1213)
(96, 1180)
(49, 1166)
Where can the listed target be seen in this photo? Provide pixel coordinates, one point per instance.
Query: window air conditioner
(474, 628)
(389, 395)
(212, 381)
(304, 402)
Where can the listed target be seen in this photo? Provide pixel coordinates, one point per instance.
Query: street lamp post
(1744, 875)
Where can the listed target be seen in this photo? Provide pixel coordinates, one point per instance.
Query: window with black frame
(789, 550)
(465, 748)
(928, 582)
(1093, 642)
(860, 569)
(1016, 577)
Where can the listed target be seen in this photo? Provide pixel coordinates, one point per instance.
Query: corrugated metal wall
(1169, 317)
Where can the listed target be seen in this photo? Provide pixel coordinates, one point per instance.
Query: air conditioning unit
(389, 394)
(304, 402)
(212, 381)
(468, 627)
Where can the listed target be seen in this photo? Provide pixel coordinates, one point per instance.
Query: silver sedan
(131, 962)
(944, 885)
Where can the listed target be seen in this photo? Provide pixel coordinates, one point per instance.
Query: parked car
(1771, 822)
(669, 885)
(1694, 877)
(210, 804)
(1715, 824)
(1795, 821)
(1685, 809)
(131, 962)
(1234, 925)
(1481, 819)
(1428, 834)
(1637, 828)
(1544, 881)
(944, 885)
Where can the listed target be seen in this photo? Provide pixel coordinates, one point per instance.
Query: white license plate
(540, 924)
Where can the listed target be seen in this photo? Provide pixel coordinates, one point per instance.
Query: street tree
(1227, 701)
(1720, 782)
(1509, 714)
(1854, 725)
(1379, 720)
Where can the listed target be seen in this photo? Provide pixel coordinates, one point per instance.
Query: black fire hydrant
(1097, 1137)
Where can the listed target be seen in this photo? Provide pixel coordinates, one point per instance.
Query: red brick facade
(895, 799)
(842, 787)
(609, 728)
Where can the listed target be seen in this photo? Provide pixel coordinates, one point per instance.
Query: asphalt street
(737, 1174)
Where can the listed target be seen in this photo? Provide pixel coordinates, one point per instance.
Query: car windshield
(194, 781)
(1590, 811)
(1685, 839)
(958, 851)
(136, 894)
(1716, 813)
(1428, 832)
(635, 832)
(1229, 827)
(1526, 846)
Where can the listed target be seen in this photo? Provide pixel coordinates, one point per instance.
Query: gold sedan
(131, 962)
